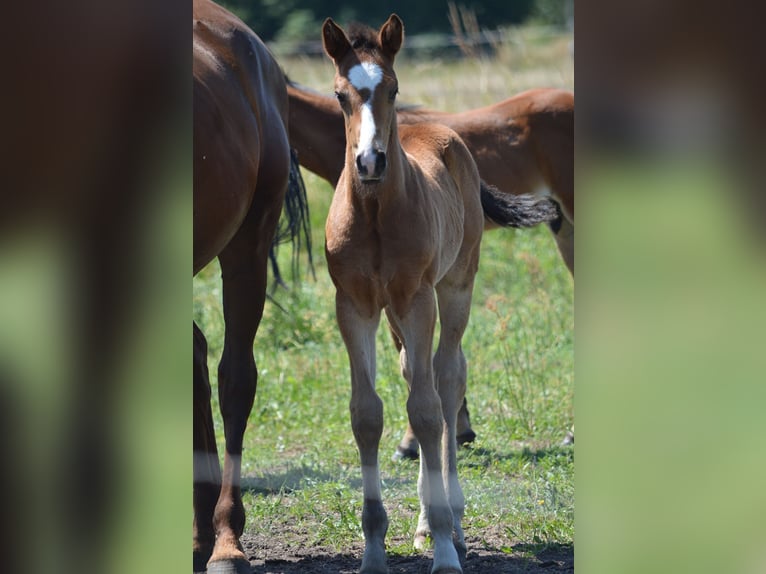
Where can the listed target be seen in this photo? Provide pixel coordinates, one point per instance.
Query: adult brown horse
(403, 235)
(522, 145)
(242, 164)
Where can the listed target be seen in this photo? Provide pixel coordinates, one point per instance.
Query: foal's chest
(375, 267)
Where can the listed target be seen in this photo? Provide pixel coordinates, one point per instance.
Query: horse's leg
(408, 446)
(563, 232)
(425, 413)
(207, 469)
(358, 334)
(454, 296)
(465, 434)
(243, 272)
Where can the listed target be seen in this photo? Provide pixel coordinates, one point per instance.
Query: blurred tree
(297, 20)
(552, 12)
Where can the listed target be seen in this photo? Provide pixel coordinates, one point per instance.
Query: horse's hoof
(200, 562)
(568, 439)
(422, 541)
(466, 437)
(462, 551)
(405, 454)
(229, 567)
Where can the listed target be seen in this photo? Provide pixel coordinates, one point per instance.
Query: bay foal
(522, 145)
(403, 235)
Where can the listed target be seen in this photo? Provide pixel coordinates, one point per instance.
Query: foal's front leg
(450, 372)
(424, 408)
(358, 330)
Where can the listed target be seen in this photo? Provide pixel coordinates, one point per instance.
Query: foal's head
(366, 88)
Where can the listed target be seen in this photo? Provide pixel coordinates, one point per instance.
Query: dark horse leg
(207, 469)
(243, 270)
(563, 232)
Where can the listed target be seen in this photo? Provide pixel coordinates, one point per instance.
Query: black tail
(295, 225)
(524, 210)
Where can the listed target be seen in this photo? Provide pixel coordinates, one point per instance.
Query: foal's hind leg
(408, 446)
(358, 332)
(207, 469)
(243, 271)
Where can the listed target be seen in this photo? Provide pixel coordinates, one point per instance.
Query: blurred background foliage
(299, 21)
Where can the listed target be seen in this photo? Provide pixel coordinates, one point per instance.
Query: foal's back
(443, 157)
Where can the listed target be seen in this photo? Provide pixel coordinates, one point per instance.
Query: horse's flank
(521, 145)
(233, 73)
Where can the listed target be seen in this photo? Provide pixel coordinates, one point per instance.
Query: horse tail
(294, 225)
(524, 210)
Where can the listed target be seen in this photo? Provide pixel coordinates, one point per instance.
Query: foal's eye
(342, 98)
(392, 94)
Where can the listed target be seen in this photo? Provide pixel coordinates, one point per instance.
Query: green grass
(300, 463)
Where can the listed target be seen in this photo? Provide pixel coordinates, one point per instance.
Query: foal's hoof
(229, 567)
(403, 453)
(568, 439)
(466, 437)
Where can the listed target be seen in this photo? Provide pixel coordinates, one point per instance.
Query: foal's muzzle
(371, 164)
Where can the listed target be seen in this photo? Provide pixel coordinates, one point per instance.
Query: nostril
(380, 162)
(360, 166)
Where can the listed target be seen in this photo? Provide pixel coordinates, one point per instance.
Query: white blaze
(366, 75)
(367, 129)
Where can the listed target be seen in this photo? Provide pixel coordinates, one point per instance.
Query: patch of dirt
(272, 555)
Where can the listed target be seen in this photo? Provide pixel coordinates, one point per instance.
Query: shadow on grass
(307, 477)
(476, 456)
(532, 559)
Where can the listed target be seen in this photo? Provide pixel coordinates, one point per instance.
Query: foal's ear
(334, 40)
(391, 35)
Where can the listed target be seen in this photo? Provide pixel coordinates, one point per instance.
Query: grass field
(300, 465)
